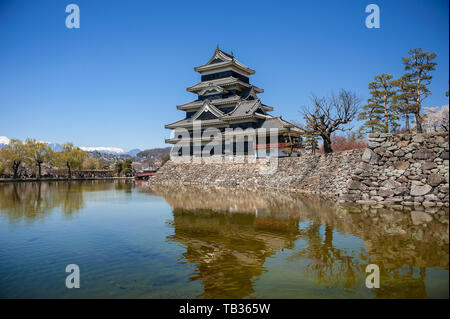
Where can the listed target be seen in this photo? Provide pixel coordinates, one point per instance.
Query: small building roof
(279, 123)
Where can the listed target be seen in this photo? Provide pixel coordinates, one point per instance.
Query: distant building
(226, 100)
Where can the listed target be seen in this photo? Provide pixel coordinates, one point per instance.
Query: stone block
(420, 190)
(435, 179)
(403, 165)
(424, 154)
(385, 192)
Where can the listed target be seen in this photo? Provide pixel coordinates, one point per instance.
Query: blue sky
(117, 79)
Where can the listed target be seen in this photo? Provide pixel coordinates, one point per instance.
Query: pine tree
(378, 113)
(382, 91)
(403, 101)
(419, 64)
(311, 141)
(372, 115)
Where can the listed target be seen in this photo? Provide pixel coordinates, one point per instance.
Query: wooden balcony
(274, 145)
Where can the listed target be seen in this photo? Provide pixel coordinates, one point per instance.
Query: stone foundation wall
(407, 169)
(394, 169)
(316, 174)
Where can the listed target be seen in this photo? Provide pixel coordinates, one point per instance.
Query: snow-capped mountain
(3, 141)
(101, 149)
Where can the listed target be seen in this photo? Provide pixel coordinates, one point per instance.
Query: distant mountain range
(154, 153)
(101, 149)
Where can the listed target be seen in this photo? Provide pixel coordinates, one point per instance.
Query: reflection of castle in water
(230, 234)
(229, 251)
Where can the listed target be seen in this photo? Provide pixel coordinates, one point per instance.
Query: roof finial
(217, 47)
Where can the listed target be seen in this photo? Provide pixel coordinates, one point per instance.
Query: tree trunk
(418, 122)
(386, 118)
(407, 122)
(16, 166)
(327, 144)
(70, 172)
(418, 105)
(39, 170)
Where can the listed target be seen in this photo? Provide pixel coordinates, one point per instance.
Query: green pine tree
(419, 64)
(378, 113)
(311, 141)
(403, 101)
(127, 167)
(373, 116)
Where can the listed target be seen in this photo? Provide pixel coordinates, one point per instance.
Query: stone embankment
(316, 174)
(400, 169)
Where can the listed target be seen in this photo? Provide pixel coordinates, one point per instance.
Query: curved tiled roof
(221, 82)
(222, 59)
(279, 123)
(208, 107)
(193, 105)
(229, 100)
(243, 109)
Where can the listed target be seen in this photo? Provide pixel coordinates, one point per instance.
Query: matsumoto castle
(226, 100)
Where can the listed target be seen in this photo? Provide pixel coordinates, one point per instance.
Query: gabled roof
(207, 107)
(250, 93)
(193, 105)
(279, 123)
(212, 88)
(243, 109)
(222, 59)
(223, 82)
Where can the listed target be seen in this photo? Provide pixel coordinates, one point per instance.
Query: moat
(135, 241)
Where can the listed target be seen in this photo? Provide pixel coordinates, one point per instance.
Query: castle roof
(211, 115)
(224, 101)
(223, 82)
(243, 109)
(227, 99)
(221, 59)
(214, 118)
(193, 105)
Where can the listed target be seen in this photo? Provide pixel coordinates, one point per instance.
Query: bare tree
(330, 114)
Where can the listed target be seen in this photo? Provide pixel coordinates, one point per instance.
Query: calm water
(132, 241)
